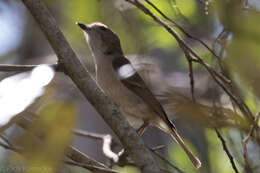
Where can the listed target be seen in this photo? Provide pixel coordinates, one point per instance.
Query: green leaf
(45, 143)
(179, 157)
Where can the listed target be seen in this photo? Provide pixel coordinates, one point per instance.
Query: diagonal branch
(78, 158)
(224, 145)
(218, 77)
(79, 75)
(155, 152)
(92, 168)
(181, 28)
(72, 153)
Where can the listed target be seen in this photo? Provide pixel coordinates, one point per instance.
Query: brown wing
(136, 84)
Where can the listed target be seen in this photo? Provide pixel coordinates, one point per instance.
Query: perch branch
(83, 80)
(93, 168)
(107, 142)
(72, 153)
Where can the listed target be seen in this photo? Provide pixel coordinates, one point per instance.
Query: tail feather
(196, 162)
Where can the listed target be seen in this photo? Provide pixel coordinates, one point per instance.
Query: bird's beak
(83, 26)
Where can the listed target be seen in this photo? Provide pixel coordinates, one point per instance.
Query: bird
(121, 83)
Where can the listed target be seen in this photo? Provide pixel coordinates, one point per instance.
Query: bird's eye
(103, 28)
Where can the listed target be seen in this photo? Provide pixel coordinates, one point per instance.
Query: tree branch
(92, 168)
(218, 77)
(107, 142)
(24, 68)
(79, 75)
(245, 142)
(154, 150)
(181, 28)
(72, 153)
(226, 150)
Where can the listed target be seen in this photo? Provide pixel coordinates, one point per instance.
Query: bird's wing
(132, 80)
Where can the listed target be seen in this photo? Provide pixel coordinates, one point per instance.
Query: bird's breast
(130, 105)
(111, 85)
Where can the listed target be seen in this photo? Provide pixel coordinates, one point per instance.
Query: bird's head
(101, 40)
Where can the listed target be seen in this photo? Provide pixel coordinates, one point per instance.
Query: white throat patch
(126, 71)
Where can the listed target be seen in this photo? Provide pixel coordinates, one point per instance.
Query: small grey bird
(122, 84)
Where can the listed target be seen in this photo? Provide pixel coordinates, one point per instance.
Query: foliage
(231, 28)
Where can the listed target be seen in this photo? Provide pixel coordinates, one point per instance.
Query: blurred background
(230, 28)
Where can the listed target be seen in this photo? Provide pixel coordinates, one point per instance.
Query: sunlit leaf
(161, 38)
(128, 169)
(44, 145)
(85, 11)
(164, 6)
(179, 157)
(243, 56)
(207, 57)
(187, 7)
(250, 100)
(217, 155)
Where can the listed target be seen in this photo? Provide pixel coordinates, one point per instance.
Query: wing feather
(136, 84)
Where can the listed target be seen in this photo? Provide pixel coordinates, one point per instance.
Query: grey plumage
(119, 80)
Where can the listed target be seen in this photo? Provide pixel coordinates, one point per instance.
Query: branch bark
(74, 154)
(24, 68)
(218, 77)
(224, 145)
(79, 75)
(107, 142)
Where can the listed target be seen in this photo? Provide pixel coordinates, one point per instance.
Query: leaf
(243, 58)
(44, 145)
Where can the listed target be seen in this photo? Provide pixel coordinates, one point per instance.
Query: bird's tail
(196, 162)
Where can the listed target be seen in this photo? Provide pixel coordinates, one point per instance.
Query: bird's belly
(129, 104)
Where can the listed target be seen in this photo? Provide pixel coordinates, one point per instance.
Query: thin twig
(86, 166)
(107, 142)
(91, 167)
(13, 120)
(182, 29)
(76, 71)
(158, 147)
(242, 106)
(214, 74)
(231, 159)
(72, 153)
(224, 34)
(8, 147)
(89, 134)
(235, 151)
(218, 78)
(191, 80)
(6, 140)
(245, 142)
(165, 160)
(191, 76)
(165, 171)
(24, 68)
